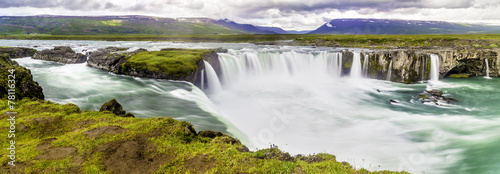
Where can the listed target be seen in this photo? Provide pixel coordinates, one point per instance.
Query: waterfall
(202, 79)
(356, 66)
(244, 64)
(434, 74)
(389, 71)
(212, 80)
(422, 69)
(339, 55)
(487, 68)
(365, 66)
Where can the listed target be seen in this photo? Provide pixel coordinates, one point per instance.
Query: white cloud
(288, 14)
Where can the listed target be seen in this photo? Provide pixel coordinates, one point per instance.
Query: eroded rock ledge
(62, 54)
(169, 63)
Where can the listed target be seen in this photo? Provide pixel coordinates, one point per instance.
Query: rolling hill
(396, 27)
(148, 25)
(101, 25)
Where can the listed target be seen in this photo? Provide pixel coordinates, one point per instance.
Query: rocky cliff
(24, 84)
(62, 54)
(412, 65)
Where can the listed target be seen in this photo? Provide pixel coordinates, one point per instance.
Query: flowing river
(297, 99)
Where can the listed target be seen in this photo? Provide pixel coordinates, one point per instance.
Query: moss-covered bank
(18, 77)
(55, 138)
(171, 64)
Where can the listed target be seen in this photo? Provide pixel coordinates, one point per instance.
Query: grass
(161, 145)
(459, 76)
(365, 41)
(175, 63)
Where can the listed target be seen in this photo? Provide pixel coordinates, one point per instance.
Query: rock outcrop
(16, 52)
(105, 59)
(116, 108)
(413, 65)
(62, 54)
(24, 84)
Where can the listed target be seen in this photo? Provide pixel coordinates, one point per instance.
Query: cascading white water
(271, 104)
(434, 74)
(365, 66)
(356, 65)
(275, 64)
(487, 68)
(202, 79)
(389, 71)
(339, 68)
(212, 79)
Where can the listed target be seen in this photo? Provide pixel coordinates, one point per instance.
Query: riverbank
(478, 41)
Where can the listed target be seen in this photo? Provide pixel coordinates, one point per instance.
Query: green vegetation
(459, 76)
(175, 63)
(66, 25)
(23, 80)
(366, 41)
(55, 138)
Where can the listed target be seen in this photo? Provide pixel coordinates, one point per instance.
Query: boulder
(115, 107)
(62, 54)
(436, 92)
(435, 96)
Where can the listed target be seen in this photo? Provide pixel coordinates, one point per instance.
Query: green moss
(493, 45)
(173, 141)
(175, 63)
(459, 76)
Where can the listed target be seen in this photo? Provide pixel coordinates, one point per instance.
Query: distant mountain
(244, 27)
(298, 32)
(389, 26)
(276, 30)
(100, 25)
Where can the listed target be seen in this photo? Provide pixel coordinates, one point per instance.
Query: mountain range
(102, 25)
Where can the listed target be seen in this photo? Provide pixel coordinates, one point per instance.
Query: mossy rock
(459, 76)
(17, 52)
(116, 108)
(24, 85)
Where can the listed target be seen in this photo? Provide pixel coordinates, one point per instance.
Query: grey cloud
(137, 7)
(28, 3)
(109, 5)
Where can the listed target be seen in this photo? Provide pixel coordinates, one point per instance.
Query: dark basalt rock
(435, 92)
(24, 84)
(116, 108)
(435, 96)
(62, 54)
(106, 60)
(17, 52)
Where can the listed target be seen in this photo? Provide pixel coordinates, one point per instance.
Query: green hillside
(72, 25)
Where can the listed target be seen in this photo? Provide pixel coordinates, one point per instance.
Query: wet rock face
(116, 108)
(62, 54)
(409, 66)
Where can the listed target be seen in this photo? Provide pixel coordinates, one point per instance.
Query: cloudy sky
(287, 14)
